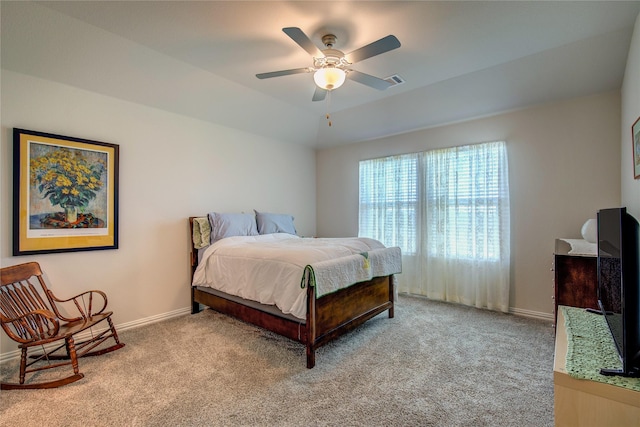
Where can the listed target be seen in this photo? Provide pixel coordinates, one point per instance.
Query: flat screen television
(619, 285)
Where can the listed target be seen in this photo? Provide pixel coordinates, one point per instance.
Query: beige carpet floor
(434, 364)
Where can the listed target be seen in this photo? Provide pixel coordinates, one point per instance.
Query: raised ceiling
(460, 60)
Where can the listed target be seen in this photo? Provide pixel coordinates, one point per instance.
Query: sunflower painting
(70, 179)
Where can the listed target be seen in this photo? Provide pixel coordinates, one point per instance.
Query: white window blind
(388, 196)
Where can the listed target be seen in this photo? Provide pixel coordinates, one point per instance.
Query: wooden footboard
(333, 315)
(328, 317)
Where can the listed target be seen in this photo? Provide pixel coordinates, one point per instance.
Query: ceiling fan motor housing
(332, 58)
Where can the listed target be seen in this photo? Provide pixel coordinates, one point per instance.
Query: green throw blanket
(591, 347)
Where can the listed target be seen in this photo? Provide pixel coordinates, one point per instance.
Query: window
(439, 206)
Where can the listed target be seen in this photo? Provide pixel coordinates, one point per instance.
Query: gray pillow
(274, 223)
(231, 224)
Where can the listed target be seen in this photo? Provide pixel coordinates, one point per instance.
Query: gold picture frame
(635, 141)
(65, 193)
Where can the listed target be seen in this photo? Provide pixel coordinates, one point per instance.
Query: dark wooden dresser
(575, 279)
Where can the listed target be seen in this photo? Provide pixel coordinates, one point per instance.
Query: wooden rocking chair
(31, 315)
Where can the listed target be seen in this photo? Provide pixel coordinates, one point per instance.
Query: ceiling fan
(331, 66)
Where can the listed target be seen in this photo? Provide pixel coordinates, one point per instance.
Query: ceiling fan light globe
(329, 78)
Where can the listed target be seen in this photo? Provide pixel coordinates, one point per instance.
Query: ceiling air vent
(395, 80)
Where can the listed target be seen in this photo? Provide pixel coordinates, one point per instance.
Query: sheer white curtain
(449, 212)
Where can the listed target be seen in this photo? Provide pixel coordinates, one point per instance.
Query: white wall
(564, 165)
(171, 167)
(630, 113)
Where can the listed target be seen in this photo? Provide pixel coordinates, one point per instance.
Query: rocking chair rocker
(32, 320)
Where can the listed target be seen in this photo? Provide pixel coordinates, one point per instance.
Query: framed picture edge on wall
(65, 193)
(635, 146)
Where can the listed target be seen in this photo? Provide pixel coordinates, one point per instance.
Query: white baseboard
(532, 314)
(11, 355)
(153, 319)
(512, 310)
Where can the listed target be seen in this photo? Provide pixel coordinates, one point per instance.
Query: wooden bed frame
(328, 317)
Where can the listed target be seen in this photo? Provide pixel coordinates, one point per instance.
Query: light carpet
(434, 364)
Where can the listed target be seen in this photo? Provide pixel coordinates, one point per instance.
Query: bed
(334, 294)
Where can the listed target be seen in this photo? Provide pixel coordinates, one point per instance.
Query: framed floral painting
(65, 193)
(635, 141)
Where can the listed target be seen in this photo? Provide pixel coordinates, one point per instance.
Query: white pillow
(231, 224)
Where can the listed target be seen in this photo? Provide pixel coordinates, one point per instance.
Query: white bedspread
(270, 268)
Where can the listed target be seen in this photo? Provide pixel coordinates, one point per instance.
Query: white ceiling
(460, 60)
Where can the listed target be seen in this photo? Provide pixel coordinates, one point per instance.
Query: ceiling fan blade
(305, 42)
(319, 95)
(383, 45)
(368, 80)
(282, 73)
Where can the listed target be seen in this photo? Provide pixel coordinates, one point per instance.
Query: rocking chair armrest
(28, 326)
(81, 304)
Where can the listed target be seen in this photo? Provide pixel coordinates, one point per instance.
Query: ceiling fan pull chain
(329, 107)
